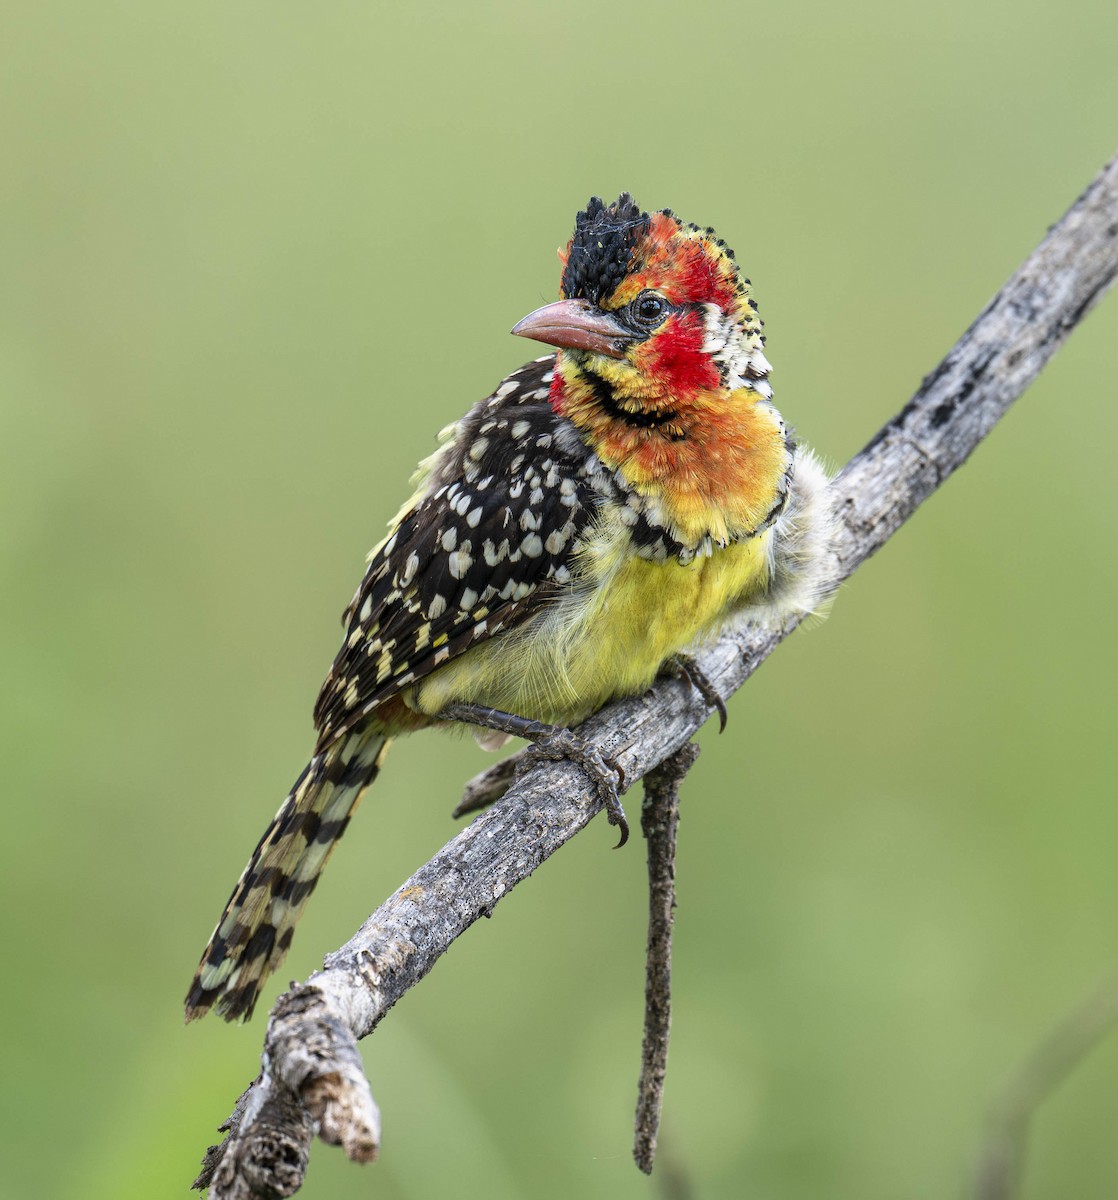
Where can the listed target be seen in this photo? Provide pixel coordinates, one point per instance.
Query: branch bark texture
(310, 1055)
(660, 826)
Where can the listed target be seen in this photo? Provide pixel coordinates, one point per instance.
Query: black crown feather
(602, 247)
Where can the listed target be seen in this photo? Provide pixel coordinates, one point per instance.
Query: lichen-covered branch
(310, 1066)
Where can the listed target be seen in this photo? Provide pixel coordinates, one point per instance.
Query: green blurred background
(253, 256)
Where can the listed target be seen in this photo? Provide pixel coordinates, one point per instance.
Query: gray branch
(311, 1079)
(1002, 1155)
(660, 826)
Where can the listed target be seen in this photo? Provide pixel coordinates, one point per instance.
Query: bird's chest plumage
(641, 611)
(707, 466)
(683, 500)
(606, 635)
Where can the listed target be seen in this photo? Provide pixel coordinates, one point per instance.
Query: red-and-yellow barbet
(605, 508)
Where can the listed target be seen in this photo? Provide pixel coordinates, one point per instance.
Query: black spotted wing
(490, 538)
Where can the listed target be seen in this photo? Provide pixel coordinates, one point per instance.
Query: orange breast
(715, 460)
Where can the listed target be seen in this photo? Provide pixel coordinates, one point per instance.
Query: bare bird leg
(554, 743)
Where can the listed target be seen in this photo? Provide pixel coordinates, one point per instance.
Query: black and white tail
(258, 923)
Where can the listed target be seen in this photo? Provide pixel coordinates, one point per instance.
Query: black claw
(615, 813)
(623, 826)
(687, 668)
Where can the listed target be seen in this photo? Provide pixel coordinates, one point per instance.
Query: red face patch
(673, 356)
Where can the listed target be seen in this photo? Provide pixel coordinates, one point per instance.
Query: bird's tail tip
(255, 931)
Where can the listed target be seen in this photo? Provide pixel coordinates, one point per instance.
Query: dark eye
(649, 309)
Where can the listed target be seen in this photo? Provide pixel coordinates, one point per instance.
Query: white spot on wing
(460, 562)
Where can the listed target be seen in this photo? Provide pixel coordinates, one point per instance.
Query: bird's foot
(683, 666)
(560, 744)
(553, 743)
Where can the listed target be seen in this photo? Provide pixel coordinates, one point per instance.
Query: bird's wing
(489, 538)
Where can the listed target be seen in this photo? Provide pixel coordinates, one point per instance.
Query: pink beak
(576, 325)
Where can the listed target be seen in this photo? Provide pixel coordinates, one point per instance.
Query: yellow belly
(607, 637)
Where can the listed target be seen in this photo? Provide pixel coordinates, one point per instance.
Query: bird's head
(655, 307)
(661, 370)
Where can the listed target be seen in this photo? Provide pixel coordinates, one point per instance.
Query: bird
(607, 507)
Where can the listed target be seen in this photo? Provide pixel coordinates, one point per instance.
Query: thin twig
(487, 786)
(659, 823)
(1002, 1156)
(955, 408)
